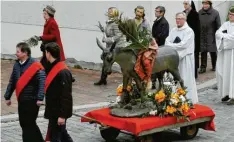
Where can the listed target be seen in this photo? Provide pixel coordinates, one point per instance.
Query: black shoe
(202, 70)
(101, 82)
(226, 98)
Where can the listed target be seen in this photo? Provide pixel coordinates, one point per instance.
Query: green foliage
(139, 38)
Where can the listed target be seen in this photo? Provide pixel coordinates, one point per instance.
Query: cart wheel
(109, 134)
(189, 132)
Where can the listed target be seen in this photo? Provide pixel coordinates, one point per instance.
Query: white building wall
(77, 20)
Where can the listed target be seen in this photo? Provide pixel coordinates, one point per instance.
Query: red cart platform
(200, 117)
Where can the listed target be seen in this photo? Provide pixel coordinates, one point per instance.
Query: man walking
(28, 79)
(58, 89)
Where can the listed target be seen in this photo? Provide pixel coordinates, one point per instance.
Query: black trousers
(58, 133)
(28, 112)
(196, 57)
(204, 59)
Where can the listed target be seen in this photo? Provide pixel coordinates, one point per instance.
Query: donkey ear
(112, 46)
(99, 44)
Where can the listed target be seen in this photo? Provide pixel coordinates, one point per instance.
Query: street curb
(14, 117)
(207, 85)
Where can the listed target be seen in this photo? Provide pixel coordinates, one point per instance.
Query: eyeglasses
(157, 11)
(185, 3)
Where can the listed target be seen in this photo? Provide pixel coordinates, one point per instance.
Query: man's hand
(39, 103)
(61, 121)
(8, 102)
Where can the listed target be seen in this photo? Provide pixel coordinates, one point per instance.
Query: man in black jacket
(160, 31)
(28, 79)
(58, 90)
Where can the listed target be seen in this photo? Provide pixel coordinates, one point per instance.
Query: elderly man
(225, 61)
(182, 39)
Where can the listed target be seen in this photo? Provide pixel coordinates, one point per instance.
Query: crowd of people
(195, 33)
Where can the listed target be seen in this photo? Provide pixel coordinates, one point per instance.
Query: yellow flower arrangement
(185, 108)
(181, 91)
(170, 109)
(160, 96)
(119, 89)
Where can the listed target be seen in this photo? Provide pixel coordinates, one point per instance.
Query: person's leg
(196, 54)
(213, 56)
(28, 112)
(65, 136)
(203, 62)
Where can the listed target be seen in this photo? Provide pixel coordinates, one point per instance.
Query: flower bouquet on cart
(170, 100)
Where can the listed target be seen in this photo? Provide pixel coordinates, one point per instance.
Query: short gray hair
(182, 13)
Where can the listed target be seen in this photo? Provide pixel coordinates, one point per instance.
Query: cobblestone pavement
(85, 132)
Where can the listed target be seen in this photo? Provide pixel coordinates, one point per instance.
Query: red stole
(27, 76)
(54, 71)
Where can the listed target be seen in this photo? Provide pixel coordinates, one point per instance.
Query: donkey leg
(125, 98)
(177, 77)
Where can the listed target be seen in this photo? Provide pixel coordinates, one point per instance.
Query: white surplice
(185, 49)
(225, 60)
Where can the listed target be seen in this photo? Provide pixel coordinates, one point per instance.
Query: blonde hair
(115, 11)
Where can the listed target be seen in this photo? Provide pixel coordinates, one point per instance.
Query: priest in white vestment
(225, 60)
(182, 39)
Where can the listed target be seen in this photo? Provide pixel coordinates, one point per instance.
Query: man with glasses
(181, 38)
(225, 60)
(209, 24)
(160, 31)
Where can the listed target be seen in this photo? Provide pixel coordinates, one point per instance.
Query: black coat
(160, 30)
(59, 95)
(209, 24)
(194, 23)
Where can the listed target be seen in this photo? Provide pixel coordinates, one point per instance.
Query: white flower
(174, 101)
(153, 112)
(182, 98)
(118, 99)
(120, 85)
(167, 83)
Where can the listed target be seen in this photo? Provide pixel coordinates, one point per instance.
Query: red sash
(27, 76)
(55, 70)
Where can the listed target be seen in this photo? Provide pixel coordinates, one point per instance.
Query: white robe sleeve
(226, 38)
(219, 37)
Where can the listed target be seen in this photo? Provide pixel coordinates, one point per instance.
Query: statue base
(129, 110)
